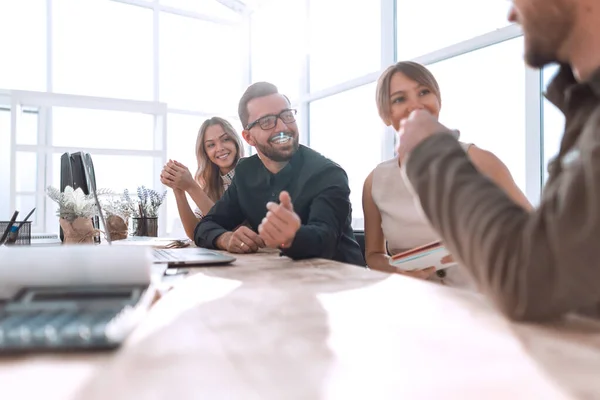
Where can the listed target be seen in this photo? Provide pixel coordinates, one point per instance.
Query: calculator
(68, 318)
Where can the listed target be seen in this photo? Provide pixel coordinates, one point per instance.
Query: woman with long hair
(218, 150)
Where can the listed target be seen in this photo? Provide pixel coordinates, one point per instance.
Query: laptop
(191, 256)
(172, 257)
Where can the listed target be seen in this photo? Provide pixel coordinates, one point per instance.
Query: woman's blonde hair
(413, 71)
(208, 175)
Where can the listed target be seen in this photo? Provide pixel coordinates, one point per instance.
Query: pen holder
(145, 227)
(24, 234)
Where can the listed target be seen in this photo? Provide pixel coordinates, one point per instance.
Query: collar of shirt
(292, 168)
(228, 177)
(564, 90)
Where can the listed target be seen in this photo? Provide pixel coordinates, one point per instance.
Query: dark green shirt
(320, 195)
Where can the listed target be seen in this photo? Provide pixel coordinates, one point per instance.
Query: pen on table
(7, 230)
(14, 231)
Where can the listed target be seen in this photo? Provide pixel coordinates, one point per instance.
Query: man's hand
(177, 176)
(242, 240)
(419, 125)
(278, 228)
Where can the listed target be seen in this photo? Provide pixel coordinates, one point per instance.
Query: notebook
(429, 255)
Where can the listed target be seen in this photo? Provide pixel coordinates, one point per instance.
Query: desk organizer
(24, 235)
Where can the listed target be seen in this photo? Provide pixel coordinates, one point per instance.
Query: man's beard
(546, 29)
(271, 151)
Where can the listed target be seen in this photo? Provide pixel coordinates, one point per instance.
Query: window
(79, 127)
(344, 48)
(207, 7)
(4, 163)
(103, 48)
(427, 25)
(279, 59)
(201, 64)
(553, 123)
(27, 127)
(23, 44)
(115, 172)
(483, 95)
(25, 203)
(354, 143)
(26, 171)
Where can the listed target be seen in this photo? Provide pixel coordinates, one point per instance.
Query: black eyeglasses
(269, 121)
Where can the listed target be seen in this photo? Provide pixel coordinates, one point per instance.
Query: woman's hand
(177, 176)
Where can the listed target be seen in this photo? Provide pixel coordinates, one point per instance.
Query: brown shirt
(535, 265)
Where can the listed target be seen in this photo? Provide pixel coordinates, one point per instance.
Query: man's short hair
(258, 89)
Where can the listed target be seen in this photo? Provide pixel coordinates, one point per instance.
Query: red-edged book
(429, 255)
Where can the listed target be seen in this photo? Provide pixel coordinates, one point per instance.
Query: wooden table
(270, 328)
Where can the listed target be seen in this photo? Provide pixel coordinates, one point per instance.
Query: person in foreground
(545, 263)
(218, 150)
(291, 197)
(391, 214)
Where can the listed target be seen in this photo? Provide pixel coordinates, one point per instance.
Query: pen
(7, 230)
(14, 230)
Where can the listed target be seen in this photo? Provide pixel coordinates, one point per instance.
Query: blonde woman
(218, 150)
(393, 223)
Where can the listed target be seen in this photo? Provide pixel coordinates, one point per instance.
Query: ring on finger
(242, 245)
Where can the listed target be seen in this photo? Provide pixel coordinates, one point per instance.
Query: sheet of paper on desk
(72, 265)
(430, 255)
(159, 243)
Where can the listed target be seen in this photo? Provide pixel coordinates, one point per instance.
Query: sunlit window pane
(354, 143)
(27, 127)
(103, 48)
(498, 123)
(25, 203)
(23, 44)
(427, 25)
(26, 172)
(346, 47)
(201, 64)
(267, 63)
(209, 8)
(79, 127)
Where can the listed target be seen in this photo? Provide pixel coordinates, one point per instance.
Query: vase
(116, 227)
(79, 231)
(147, 226)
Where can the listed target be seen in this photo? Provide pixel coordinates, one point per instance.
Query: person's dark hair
(413, 71)
(258, 89)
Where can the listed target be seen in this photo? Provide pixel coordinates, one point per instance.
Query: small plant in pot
(144, 210)
(117, 211)
(75, 212)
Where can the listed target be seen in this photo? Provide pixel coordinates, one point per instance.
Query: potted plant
(75, 212)
(144, 210)
(117, 211)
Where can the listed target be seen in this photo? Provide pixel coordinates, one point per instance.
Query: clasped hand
(176, 176)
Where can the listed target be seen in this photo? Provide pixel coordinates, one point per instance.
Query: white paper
(73, 265)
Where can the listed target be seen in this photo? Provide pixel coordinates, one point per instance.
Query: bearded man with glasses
(290, 196)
